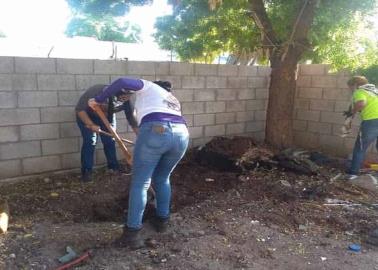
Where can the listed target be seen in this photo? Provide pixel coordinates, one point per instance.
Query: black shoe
(160, 224)
(86, 177)
(130, 238)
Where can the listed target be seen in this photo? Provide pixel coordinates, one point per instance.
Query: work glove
(346, 129)
(348, 113)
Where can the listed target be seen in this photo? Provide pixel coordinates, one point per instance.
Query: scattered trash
(13, 256)
(209, 180)
(71, 254)
(77, 261)
(46, 180)
(336, 177)
(254, 222)
(323, 258)
(4, 216)
(354, 247)
(54, 194)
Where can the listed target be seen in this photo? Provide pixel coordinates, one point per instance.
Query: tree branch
(263, 22)
(305, 19)
(298, 41)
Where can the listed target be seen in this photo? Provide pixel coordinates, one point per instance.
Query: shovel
(110, 135)
(118, 139)
(114, 134)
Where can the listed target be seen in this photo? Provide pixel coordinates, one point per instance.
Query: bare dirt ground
(265, 218)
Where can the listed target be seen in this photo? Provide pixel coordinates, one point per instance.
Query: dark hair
(123, 92)
(164, 84)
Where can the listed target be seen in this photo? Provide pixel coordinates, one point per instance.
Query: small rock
(176, 249)
(372, 241)
(243, 178)
(13, 256)
(185, 233)
(374, 233)
(152, 243)
(302, 227)
(201, 233)
(46, 180)
(285, 183)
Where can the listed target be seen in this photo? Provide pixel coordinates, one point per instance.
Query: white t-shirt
(152, 98)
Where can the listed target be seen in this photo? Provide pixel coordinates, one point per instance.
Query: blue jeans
(367, 135)
(158, 149)
(90, 141)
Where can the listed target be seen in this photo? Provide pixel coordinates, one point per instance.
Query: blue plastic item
(355, 247)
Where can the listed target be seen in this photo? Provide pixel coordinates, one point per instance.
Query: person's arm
(358, 106)
(129, 113)
(117, 86)
(359, 101)
(87, 121)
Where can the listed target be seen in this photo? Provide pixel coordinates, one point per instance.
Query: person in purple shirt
(162, 141)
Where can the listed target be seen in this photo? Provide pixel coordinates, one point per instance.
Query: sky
(43, 22)
(33, 27)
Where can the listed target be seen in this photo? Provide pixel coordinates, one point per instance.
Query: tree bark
(279, 123)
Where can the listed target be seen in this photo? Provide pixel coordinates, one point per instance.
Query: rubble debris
(240, 154)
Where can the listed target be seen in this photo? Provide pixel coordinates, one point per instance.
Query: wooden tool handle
(110, 135)
(125, 152)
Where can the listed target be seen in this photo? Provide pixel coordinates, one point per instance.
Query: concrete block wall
(321, 98)
(38, 132)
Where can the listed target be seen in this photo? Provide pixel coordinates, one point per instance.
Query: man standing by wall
(364, 101)
(90, 124)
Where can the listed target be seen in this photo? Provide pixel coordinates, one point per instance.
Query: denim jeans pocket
(158, 137)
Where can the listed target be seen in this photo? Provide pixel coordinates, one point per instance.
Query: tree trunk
(280, 111)
(284, 56)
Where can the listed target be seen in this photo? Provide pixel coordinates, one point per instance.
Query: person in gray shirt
(89, 124)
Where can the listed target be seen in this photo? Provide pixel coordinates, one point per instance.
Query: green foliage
(350, 49)
(371, 73)
(99, 18)
(197, 33)
(100, 8)
(106, 29)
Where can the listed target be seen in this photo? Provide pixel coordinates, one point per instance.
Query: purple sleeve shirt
(117, 86)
